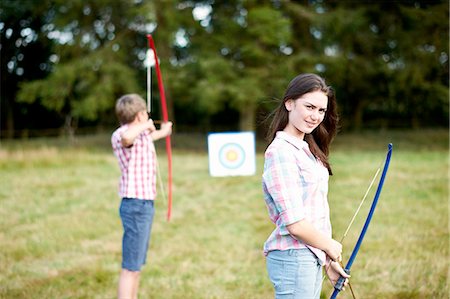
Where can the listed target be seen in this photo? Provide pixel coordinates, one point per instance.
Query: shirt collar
(298, 143)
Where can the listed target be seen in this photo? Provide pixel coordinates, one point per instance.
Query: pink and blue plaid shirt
(137, 165)
(295, 186)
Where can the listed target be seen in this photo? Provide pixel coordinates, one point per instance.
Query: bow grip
(340, 283)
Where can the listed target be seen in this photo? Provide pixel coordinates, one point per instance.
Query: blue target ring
(231, 155)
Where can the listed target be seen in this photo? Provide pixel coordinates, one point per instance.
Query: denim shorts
(137, 219)
(295, 274)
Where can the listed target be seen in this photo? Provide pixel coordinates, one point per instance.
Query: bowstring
(158, 174)
(361, 203)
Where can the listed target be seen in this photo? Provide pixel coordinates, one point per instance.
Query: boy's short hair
(128, 106)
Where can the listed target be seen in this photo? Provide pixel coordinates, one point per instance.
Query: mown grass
(60, 232)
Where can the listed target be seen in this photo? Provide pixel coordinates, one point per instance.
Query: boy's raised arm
(134, 130)
(164, 131)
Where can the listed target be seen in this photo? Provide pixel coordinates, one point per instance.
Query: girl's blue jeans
(295, 274)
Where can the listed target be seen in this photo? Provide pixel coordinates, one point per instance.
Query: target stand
(231, 154)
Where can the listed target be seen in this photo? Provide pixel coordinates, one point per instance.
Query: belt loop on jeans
(293, 252)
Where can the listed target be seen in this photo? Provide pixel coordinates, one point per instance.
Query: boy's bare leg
(136, 286)
(128, 283)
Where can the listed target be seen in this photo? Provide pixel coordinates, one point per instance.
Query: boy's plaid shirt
(137, 165)
(295, 186)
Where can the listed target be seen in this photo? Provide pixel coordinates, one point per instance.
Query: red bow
(165, 116)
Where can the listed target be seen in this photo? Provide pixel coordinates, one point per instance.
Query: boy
(133, 146)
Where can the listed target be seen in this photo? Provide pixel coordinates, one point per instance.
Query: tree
(93, 40)
(236, 53)
(389, 61)
(25, 54)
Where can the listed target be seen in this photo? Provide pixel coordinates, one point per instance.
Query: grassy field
(60, 232)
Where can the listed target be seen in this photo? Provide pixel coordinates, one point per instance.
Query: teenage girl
(295, 186)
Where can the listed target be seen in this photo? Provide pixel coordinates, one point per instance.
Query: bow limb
(165, 117)
(340, 283)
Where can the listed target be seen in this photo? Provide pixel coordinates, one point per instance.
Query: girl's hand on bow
(334, 270)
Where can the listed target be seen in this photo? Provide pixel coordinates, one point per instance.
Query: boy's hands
(164, 131)
(166, 128)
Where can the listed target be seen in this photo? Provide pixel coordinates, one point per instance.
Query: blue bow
(340, 283)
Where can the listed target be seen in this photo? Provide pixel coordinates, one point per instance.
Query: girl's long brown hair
(320, 139)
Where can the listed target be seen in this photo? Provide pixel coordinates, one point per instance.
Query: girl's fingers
(343, 274)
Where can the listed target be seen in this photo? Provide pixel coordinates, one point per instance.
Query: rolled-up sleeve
(283, 184)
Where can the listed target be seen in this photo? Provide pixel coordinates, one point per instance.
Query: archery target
(231, 154)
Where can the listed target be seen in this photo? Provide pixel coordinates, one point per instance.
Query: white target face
(231, 154)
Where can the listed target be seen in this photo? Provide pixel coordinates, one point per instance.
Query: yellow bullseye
(231, 156)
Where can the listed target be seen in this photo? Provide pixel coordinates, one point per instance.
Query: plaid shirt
(295, 186)
(137, 165)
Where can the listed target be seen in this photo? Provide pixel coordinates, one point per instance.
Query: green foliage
(83, 88)
(243, 46)
(391, 64)
(92, 68)
(387, 61)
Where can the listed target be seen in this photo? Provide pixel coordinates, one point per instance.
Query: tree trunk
(9, 120)
(247, 119)
(358, 116)
(70, 125)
